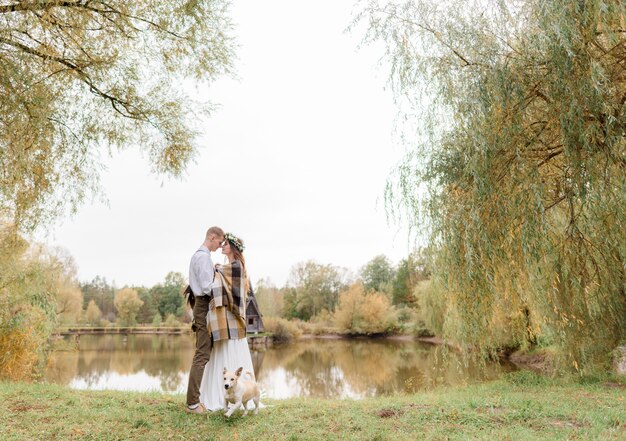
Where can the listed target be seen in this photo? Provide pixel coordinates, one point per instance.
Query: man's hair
(216, 231)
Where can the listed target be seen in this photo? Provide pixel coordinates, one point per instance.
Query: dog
(238, 391)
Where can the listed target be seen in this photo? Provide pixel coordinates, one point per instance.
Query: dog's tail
(251, 375)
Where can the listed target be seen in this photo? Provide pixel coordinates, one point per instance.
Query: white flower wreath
(234, 240)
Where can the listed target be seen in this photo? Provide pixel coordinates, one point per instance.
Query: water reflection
(348, 368)
(317, 368)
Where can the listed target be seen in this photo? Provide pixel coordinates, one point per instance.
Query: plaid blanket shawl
(227, 308)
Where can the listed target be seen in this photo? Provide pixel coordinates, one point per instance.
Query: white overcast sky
(294, 161)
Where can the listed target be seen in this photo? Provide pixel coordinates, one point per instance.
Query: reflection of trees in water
(164, 357)
(322, 368)
(314, 371)
(62, 367)
(333, 368)
(442, 366)
(371, 367)
(257, 361)
(170, 381)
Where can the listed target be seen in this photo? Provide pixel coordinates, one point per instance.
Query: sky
(294, 161)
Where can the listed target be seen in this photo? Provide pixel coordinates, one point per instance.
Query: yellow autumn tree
(69, 297)
(127, 303)
(361, 312)
(93, 315)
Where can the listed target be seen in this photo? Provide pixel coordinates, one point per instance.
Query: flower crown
(234, 240)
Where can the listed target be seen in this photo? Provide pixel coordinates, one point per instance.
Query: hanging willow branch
(79, 78)
(524, 165)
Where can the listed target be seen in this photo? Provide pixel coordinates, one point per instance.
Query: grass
(522, 406)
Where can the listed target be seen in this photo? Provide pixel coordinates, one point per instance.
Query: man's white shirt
(201, 272)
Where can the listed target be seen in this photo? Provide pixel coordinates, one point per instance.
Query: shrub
(24, 332)
(323, 323)
(406, 314)
(282, 330)
(19, 349)
(420, 329)
(303, 327)
(157, 320)
(171, 321)
(27, 305)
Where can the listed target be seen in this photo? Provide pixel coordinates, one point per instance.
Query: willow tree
(517, 167)
(81, 78)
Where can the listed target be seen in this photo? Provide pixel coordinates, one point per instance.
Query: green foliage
(168, 296)
(157, 319)
(403, 283)
(378, 274)
(171, 321)
(518, 172)
(269, 298)
(432, 306)
(410, 271)
(102, 293)
(406, 314)
(313, 288)
(148, 310)
(81, 79)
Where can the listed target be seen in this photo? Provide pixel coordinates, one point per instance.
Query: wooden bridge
(124, 330)
(254, 340)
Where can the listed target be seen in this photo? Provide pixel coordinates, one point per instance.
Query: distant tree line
(381, 298)
(103, 303)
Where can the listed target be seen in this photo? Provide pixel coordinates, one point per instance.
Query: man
(201, 274)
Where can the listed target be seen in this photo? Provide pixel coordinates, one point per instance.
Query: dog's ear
(238, 372)
(225, 370)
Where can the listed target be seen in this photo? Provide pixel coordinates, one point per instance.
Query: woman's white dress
(229, 354)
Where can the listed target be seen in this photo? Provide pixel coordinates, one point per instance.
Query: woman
(226, 322)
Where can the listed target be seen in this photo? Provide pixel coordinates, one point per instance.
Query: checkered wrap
(227, 308)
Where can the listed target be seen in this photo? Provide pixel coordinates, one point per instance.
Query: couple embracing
(219, 302)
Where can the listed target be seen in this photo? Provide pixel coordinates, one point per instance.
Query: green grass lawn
(522, 406)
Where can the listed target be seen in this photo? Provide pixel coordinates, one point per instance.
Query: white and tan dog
(239, 391)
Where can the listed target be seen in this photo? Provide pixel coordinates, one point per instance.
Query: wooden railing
(255, 340)
(124, 330)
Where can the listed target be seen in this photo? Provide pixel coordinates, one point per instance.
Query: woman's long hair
(238, 255)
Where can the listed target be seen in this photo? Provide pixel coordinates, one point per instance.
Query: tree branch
(436, 34)
(37, 6)
(129, 112)
(83, 4)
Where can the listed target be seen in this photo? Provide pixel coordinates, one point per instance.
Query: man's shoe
(199, 409)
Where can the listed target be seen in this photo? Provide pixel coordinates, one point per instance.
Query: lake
(328, 368)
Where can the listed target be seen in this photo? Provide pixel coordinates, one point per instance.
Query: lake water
(307, 368)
